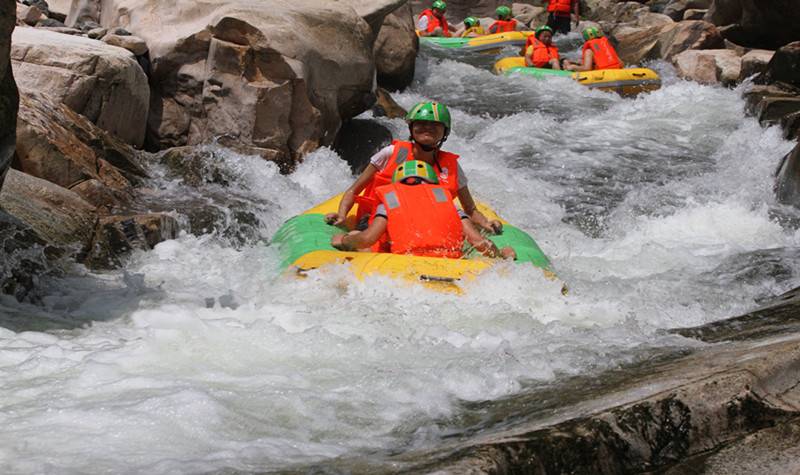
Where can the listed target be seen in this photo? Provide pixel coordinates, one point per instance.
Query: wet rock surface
(744, 393)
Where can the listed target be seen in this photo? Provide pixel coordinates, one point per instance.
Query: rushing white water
(199, 357)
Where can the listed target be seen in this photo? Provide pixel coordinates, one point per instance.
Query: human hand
(495, 226)
(508, 252)
(334, 219)
(336, 241)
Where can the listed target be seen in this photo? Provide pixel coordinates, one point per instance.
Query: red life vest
(503, 26)
(604, 55)
(435, 22)
(542, 54)
(421, 220)
(446, 167)
(560, 7)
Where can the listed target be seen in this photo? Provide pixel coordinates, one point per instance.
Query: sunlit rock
(102, 82)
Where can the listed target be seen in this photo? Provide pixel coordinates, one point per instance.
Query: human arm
(349, 196)
(576, 10)
(471, 209)
(483, 245)
(360, 239)
(588, 60)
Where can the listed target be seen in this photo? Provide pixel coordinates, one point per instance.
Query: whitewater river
(198, 357)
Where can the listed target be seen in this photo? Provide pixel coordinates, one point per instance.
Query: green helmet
(415, 168)
(543, 29)
(430, 112)
(471, 21)
(503, 12)
(592, 33)
(439, 5)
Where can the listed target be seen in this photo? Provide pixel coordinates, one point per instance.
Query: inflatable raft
(626, 82)
(304, 244)
(480, 43)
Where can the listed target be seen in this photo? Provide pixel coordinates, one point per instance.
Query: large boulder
(710, 66)
(9, 98)
(665, 41)
(767, 24)
(530, 15)
(755, 62)
(102, 82)
(396, 49)
(276, 81)
(58, 145)
(784, 66)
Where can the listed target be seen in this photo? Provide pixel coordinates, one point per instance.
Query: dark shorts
(559, 24)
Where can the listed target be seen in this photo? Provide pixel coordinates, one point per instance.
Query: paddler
(559, 15)
(505, 21)
(597, 53)
(472, 28)
(431, 22)
(540, 52)
(416, 215)
(429, 125)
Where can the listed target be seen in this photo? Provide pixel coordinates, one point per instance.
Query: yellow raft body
(485, 43)
(312, 250)
(626, 82)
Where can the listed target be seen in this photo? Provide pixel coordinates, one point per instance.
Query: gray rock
(97, 33)
(755, 62)
(757, 23)
(134, 44)
(694, 14)
(396, 50)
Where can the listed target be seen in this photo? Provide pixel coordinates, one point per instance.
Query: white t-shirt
(422, 23)
(380, 159)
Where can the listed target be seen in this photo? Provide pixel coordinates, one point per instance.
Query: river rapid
(199, 357)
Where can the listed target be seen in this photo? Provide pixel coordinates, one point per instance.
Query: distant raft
(480, 43)
(626, 82)
(304, 244)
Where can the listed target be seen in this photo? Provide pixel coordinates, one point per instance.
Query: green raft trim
(308, 233)
(464, 43)
(445, 42)
(538, 72)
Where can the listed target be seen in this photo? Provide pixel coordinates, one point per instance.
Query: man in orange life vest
(597, 53)
(540, 52)
(418, 217)
(505, 21)
(431, 22)
(559, 11)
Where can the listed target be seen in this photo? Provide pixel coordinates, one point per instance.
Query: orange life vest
(421, 220)
(503, 26)
(604, 55)
(446, 167)
(435, 22)
(560, 7)
(542, 54)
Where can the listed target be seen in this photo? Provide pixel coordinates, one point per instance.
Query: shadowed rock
(9, 98)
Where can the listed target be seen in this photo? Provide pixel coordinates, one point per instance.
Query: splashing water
(199, 357)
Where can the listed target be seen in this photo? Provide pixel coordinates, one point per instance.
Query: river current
(199, 357)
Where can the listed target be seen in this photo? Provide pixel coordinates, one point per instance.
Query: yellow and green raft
(626, 82)
(480, 43)
(304, 244)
